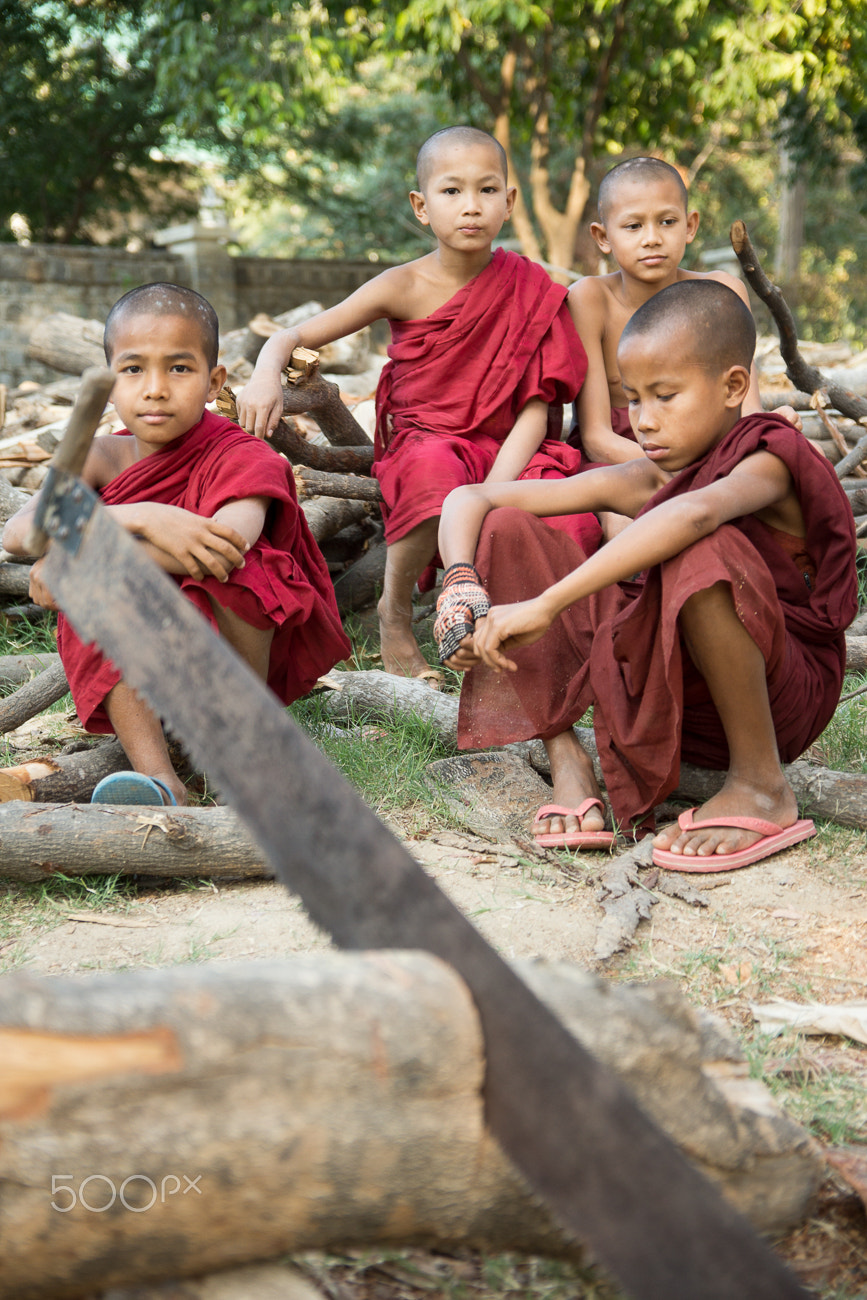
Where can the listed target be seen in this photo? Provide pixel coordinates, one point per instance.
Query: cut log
(14, 579)
(288, 441)
(67, 343)
(329, 515)
(228, 1114)
(38, 839)
(856, 654)
(352, 487)
(360, 585)
(34, 696)
(62, 778)
(322, 399)
(839, 797)
(11, 500)
(15, 670)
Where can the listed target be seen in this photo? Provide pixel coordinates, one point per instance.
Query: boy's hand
(39, 593)
(510, 625)
(789, 413)
(199, 547)
(464, 658)
(260, 404)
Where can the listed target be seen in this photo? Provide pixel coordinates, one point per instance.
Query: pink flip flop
(774, 838)
(572, 839)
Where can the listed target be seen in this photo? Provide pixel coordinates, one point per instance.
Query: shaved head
(649, 170)
(461, 136)
(715, 325)
(166, 300)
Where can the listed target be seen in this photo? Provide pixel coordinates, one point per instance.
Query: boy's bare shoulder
(110, 454)
(594, 299)
(721, 277)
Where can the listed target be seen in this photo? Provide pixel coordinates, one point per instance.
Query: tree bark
(34, 696)
(14, 579)
(856, 654)
(327, 516)
(110, 839)
(358, 586)
(67, 343)
(271, 1107)
(351, 487)
(331, 460)
(63, 778)
(15, 670)
(322, 399)
(11, 499)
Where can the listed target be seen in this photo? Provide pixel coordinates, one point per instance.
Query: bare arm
(600, 442)
(181, 541)
(260, 405)
(759, 482)
(625, 488)
(521, 444)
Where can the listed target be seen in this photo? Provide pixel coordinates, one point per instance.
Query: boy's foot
(574, 782)
(400, 653)
(736, 799)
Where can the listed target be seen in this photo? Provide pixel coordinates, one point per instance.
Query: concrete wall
(44, 278)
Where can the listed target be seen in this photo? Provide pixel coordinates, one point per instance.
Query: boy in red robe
(483, 356)
(214, 507)
(730, 653)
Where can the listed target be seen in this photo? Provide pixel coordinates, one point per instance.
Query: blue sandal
(133, 788)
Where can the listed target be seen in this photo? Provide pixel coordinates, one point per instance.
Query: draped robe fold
(284, 582)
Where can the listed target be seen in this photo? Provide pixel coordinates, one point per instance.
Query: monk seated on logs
(214, 508)
(483, 355)
(645, 224)
(727, 651)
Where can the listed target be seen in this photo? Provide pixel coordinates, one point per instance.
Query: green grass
(843, 744)
(830, 1104)
(26, 637)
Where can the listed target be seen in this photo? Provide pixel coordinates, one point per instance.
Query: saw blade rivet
(63, 531)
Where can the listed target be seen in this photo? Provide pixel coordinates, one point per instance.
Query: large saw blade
(608, 1174)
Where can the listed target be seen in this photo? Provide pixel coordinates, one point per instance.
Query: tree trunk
(67, 343)
(229, 1114)
(64, 778)
(351, 487)
(856, 654)
(34, 696)
(109, 839)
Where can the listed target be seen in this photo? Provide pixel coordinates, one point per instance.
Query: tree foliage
(80, 119)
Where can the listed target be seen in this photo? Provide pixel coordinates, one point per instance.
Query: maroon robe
(620, 650)
(283, 584)
(456, 383)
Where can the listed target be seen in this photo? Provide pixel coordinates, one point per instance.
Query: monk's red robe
(456, 383)
(620, 650)
(619, 424)
(283, 584)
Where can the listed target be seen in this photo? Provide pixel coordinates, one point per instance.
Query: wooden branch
(11, 499)
(352, 487)
(856, 654)
(288, 441)
(322, 399)
(804, 377)
(33, 697)
(67, 343)
(62, 778)
(360, 585)
(81, 839)
(327, 1101)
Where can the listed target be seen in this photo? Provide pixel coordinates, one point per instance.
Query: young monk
(483, 354)
(729, 654)
(214, 508)
(645, 225)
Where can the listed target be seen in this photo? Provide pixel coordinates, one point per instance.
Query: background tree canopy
(308, 118)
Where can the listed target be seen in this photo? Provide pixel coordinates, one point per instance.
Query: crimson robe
(456, 383)
(620, 650)
(284, 582)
